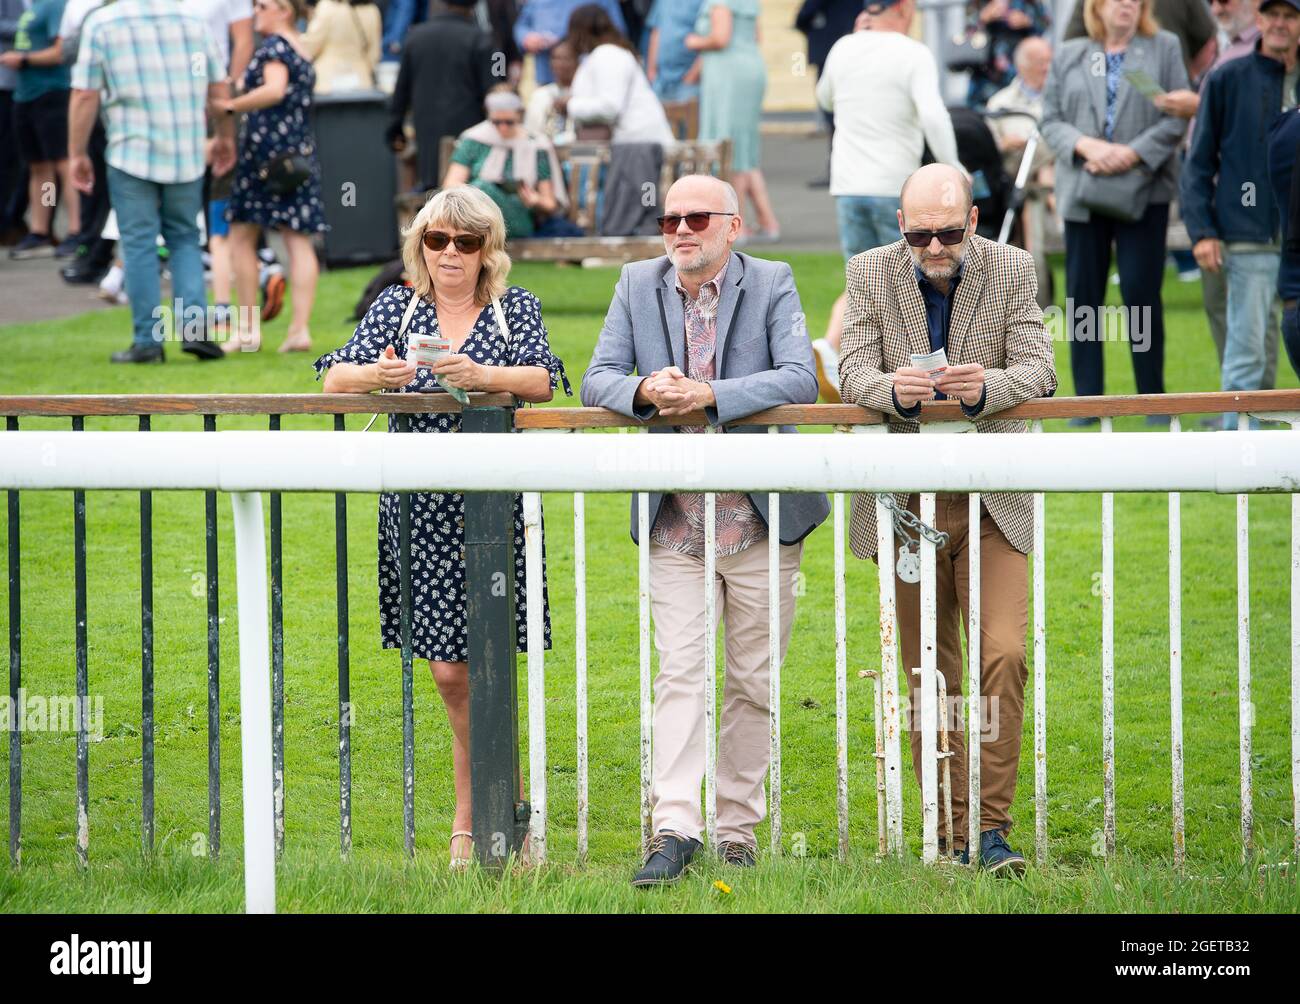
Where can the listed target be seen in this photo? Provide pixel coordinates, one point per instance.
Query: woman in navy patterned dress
(277, 99)
(453, 250)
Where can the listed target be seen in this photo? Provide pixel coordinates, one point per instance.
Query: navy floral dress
(438, 617)
(269, 132)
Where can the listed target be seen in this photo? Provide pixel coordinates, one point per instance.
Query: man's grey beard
(708, 258)
(949, 269)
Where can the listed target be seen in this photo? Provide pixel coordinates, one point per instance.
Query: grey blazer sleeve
(1156, 144)
(1057, 131)
(793, 376)
(610, 381)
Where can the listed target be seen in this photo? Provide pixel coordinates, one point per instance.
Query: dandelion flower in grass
(722, 887)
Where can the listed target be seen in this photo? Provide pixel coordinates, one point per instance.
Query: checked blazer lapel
(910, 303)
(969, 291)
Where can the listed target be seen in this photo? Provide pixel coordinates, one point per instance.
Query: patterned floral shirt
(680, 523)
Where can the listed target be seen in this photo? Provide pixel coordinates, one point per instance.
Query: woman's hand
(458, 370)
(1018, 20)
(1181, 104)
(995, 10)
(528, 195)
(391, 372)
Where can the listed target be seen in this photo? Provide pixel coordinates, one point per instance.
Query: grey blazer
(1074, 105)
(763, 359)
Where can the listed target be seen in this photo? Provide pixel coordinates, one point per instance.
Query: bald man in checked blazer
(977, 299)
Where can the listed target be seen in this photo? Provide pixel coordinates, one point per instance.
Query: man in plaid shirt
(160, 71)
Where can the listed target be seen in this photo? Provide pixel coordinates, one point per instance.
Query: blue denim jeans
(146, 209)
(1252, 277)
(866, 222)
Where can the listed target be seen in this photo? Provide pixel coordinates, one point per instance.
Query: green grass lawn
(378, 878)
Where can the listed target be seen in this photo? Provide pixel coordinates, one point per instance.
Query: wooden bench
(691, 157)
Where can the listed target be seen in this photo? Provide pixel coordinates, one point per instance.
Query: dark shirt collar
(927, 286)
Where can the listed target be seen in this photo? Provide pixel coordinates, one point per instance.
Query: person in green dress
(514, 167)
(732, 81)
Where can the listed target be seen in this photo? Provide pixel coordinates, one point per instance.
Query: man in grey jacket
(708, 329)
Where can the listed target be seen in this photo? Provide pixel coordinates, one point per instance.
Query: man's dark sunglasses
(922, 238)
(436, 240)
(696, 221)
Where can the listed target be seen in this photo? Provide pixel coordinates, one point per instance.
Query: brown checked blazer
(995, 322)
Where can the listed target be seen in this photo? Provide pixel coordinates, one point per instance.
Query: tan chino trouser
(677, 601)
(1003, 670)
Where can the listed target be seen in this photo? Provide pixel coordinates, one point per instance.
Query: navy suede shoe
(996, 855)
(666, 859)
(733, 852)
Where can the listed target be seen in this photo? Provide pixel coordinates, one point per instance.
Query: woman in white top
(609, 85)
(342, 41)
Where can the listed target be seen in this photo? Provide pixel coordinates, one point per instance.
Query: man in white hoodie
(882, 86)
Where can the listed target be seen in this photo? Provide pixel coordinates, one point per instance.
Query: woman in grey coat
(1116, 173)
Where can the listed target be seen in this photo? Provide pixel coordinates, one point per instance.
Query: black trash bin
(358, 176)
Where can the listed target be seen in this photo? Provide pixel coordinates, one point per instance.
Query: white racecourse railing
(248, 463)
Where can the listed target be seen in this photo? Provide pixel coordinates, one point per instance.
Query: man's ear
(974, 217)
(899, 214)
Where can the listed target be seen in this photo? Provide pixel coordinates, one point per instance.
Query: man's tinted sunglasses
(696, 221)
(922, 238)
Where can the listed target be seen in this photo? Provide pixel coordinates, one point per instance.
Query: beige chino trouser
(1004, 670)
(741, 598)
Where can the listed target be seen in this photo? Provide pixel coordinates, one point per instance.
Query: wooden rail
(102, 405)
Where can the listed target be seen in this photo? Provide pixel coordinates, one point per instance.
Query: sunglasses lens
(922, 238)
(468, 243)
(696, 221)
(435, 240)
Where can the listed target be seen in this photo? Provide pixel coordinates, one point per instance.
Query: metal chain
(904, 518)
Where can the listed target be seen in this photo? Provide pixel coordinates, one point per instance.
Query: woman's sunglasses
(436, 240)
(696, 221)
(922, 238)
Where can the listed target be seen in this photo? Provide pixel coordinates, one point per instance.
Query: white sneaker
(111, 285)
(828, 369)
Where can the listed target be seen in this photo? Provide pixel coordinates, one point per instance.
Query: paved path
(33, 291)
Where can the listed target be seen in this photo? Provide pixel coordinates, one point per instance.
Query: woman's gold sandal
(459, 862)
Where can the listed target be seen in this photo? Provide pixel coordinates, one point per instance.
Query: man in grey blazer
(706, 328)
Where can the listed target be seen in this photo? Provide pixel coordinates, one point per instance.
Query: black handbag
(286, 172)
(1122, 197)
(968, 51)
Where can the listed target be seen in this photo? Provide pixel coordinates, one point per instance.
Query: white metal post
(1108, 664)
(643, 596)
(929, 656)
(536, 675)
(580, 658)
(711, 668)
(1295, 662)
(1176, 665)
(1245, 708)
(841, 683)
(1040, 672)
(889, 679)
(975, 703)
(254, 704)
(774, 587)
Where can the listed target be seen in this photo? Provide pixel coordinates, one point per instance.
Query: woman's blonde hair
(459, 209)
(1147, 23)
